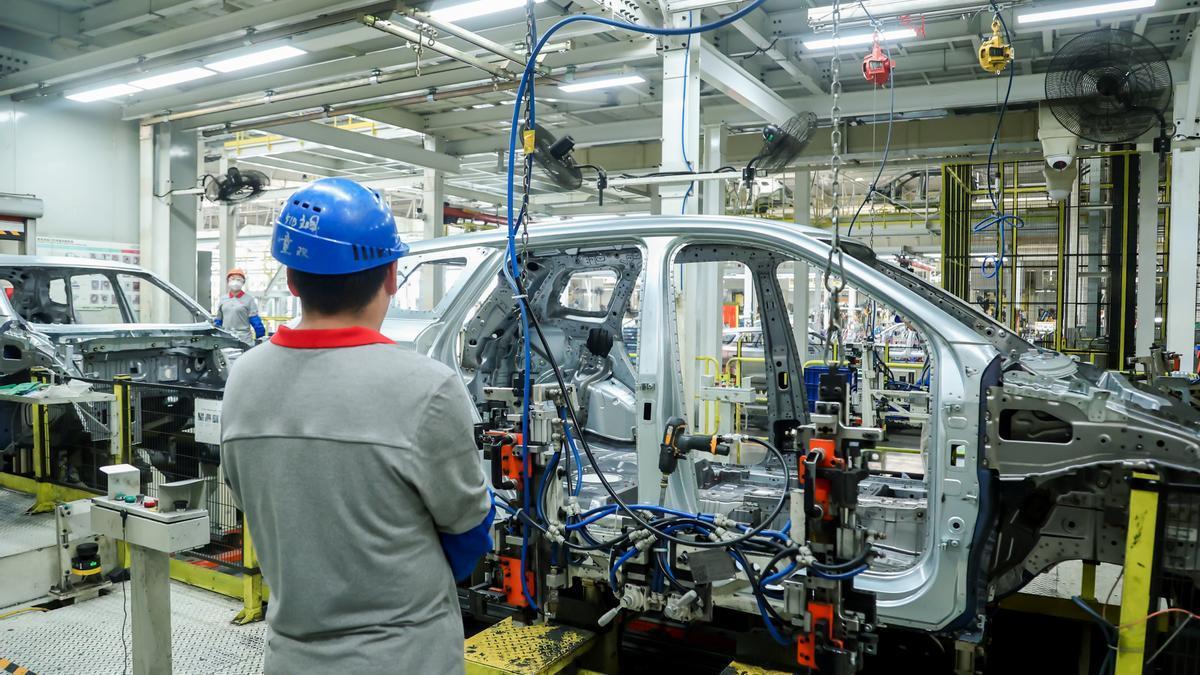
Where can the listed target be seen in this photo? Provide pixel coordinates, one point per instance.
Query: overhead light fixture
(259, 58)
(111, 91)
(468, 10)
(483, 106)
(1083, 11)
(860, 39)
(173, 77)
(601, 83)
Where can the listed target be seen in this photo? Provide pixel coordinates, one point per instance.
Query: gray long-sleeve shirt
(349, 455)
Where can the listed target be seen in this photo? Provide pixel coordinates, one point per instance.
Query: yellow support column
(252, 586)
(42, 464)
(1139, 573)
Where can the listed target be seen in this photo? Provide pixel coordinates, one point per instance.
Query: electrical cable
(512, 273)
(1174, 634)
(1109, 631)
(687, 57)
(574, 452)
(838, 576)
(124, 606)
(764, 606)
(991, 265)
(887, 145)
(587, 450)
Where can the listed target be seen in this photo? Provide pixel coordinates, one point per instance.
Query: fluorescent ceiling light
(1083, 11)
(111, 91)
(482, 106)
(860, 39)
(173, 77)
(256, 59)
(468, 10)
(601, 83)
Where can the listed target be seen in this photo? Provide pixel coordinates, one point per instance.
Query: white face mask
(236, 284)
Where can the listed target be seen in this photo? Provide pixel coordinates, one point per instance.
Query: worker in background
(353, 459)
(238, 311)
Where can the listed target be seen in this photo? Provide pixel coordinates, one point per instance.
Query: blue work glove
(464, 550)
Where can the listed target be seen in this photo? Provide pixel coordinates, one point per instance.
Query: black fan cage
(1108, 85)
(788, 142)
(563, 173)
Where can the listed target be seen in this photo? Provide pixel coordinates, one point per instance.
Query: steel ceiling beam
(397, 117)
(595, 134)
(793, 69)
(129, 53)
(407, 153)
(120, 14)
(733, 81)
(21, 41)
(39, 19)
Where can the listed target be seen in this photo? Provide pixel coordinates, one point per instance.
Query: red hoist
(877, 67)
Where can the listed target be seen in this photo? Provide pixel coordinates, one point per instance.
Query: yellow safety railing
(712, 409)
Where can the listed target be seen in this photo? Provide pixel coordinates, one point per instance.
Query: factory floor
(87, 637)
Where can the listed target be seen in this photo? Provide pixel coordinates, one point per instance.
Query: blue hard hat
(336, 226)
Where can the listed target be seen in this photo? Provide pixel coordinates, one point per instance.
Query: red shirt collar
(328, 338)
(236, 295)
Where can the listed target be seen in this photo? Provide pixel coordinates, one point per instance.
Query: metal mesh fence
(164, 445)
(81, 439)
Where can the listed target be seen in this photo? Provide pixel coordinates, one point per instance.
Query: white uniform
(234, 313)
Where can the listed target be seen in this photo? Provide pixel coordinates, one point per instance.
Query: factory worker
(353, 459)
(238, 311)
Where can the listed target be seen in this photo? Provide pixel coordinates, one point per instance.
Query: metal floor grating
(18, 532)
(85, 638)
(1066, 580)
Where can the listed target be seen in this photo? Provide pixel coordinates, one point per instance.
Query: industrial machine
(1014, 443)
(554, 559)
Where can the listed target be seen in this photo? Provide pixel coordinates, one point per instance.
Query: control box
(175, 521)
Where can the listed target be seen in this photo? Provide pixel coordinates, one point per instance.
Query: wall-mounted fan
(1110, 86)
(235, 186)
(553, 156)
(782, 144)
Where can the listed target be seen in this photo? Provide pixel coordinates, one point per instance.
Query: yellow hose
(22, 611)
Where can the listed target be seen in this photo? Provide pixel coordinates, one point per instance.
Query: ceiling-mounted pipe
(439, 95)
(464, 34)
(428, 43)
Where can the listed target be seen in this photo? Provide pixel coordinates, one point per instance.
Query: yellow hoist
(995, 54)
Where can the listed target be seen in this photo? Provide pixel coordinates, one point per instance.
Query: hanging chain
(833, 328)
(528, 141)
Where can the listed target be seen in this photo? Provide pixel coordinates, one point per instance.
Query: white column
(227, 231)
(433, 196)
(681, 116)
(1181, 263)
(150, 587)
(1147, 247)
(154, 164)
(713, 191)
(802, 213)
(700, 313)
